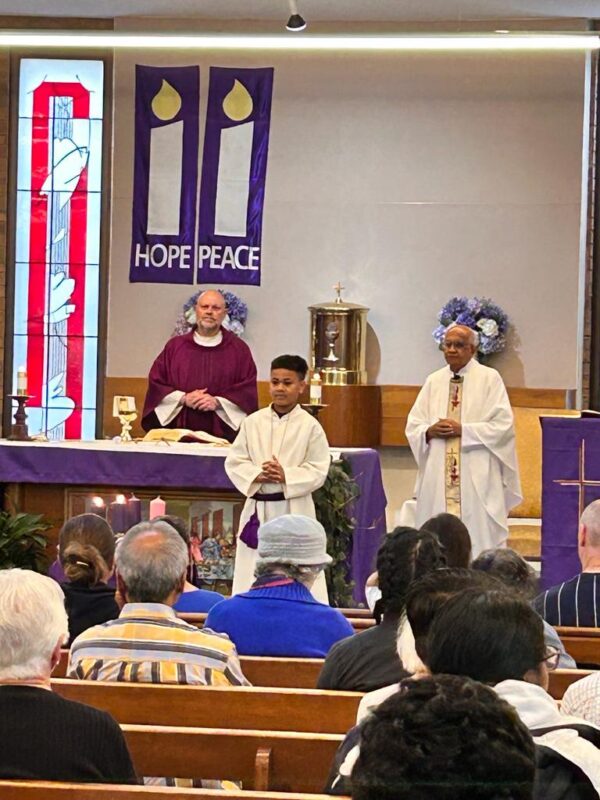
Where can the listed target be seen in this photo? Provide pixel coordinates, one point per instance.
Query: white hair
(473, 335)
(32, 622)
(591, 519)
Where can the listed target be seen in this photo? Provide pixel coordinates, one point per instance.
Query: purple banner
(165, 174)
(234, 169)
(570, 482)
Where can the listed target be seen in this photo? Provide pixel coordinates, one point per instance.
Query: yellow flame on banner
(238, 104)
(166, 102)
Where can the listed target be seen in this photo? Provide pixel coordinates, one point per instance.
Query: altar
(570, 482)
(58, 479)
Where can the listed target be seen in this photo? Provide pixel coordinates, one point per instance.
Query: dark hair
(489, 636)
(426, 596)
(454, 538)
(510, 568)
(86, 548)
(405, 555)
(447, 738)
(293, 363)
(181, 526)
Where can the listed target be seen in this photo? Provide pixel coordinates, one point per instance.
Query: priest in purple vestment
(204, 380)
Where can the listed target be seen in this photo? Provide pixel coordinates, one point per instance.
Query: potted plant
(21, 541)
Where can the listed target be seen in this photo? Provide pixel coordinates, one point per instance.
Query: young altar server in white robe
(279, 458)
(460, 431)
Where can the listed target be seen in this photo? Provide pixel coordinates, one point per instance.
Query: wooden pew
(561, 679)
(292, 673)
(262, 760)
(581, 643)
(47, 790)
(304, 710)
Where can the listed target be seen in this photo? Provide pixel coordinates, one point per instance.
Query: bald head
(152, 561)
(589, 526)
(210, 312)
(471, 336)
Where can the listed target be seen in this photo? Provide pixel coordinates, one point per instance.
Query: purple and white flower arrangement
(479, 313)
(235, 320)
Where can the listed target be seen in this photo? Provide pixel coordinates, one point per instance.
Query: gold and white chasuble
(299, 443)
(475, 476)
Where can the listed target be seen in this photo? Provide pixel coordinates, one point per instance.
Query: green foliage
(21, 541)
(332, 502)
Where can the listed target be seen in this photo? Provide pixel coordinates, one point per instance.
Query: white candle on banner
(158, 508)
(21, 380)
(235, 159)
(166, 164)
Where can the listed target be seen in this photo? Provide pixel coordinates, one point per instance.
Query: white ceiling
(313, 10)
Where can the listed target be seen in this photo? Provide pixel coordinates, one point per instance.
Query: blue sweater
(197, 602)
(279, 621)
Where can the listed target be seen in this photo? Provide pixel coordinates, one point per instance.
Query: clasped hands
(444, 429)
(272, 472)
(201, 400)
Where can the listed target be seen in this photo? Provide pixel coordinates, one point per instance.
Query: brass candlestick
(19, 431)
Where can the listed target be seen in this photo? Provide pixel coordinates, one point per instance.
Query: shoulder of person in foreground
(333, 669)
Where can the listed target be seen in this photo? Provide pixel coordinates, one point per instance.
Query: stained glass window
(57, 243)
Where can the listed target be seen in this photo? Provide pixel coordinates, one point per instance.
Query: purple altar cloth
(129, 468)
(369, 512)
(570, 459)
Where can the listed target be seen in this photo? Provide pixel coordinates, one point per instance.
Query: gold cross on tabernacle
(581, 482)
(339, 289)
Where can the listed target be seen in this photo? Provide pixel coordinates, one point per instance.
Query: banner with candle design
(165, 174)
(234, 169)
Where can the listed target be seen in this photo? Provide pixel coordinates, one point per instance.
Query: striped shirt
(574, 603)
(149, 644)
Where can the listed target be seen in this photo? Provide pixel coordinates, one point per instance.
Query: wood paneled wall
(389, 419)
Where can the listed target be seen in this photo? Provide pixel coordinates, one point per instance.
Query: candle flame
(166, 103)
(121, 498)
(238, 104)
(97, 501)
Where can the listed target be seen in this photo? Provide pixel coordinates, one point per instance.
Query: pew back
(228, 707)
(581, 643)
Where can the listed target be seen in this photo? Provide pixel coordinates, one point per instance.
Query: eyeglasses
(453, 345)
(551, 658)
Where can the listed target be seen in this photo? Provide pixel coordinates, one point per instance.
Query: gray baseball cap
(293, 539)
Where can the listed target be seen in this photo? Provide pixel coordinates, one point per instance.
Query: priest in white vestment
(288, 438)
(461, 433)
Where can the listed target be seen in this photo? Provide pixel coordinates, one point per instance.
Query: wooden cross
(581, 482)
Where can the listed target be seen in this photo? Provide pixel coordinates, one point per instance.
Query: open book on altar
(183, 435)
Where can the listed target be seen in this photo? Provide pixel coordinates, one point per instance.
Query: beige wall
(409, 178)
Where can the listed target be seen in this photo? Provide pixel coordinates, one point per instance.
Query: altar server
(460, 430)
(279, 458)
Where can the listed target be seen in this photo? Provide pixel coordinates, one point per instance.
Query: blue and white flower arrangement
(235, 320)
(479, 313)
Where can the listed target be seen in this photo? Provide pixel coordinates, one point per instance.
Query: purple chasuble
(226, 370)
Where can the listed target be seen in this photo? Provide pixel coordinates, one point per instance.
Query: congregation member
(148, 643)
(498, 639)
(576, 602)
(279, 458)
(520, 578)
(444, 738)
(461, 433)
(369, 660)
(279, 616)
(44, 736)
(192, 600)
(582, 699)
(86, 552)
(204, 380)
(454, 538)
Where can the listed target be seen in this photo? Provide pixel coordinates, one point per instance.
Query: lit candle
(134, 511)
(98, 506)
(21, 380)
(158, 507)
(117, 514)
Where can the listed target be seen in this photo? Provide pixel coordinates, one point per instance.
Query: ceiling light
(296, 22)
(399, 43)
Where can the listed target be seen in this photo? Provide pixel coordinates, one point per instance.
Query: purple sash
(249, 533)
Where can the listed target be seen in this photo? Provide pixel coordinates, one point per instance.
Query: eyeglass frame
(552, 658)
